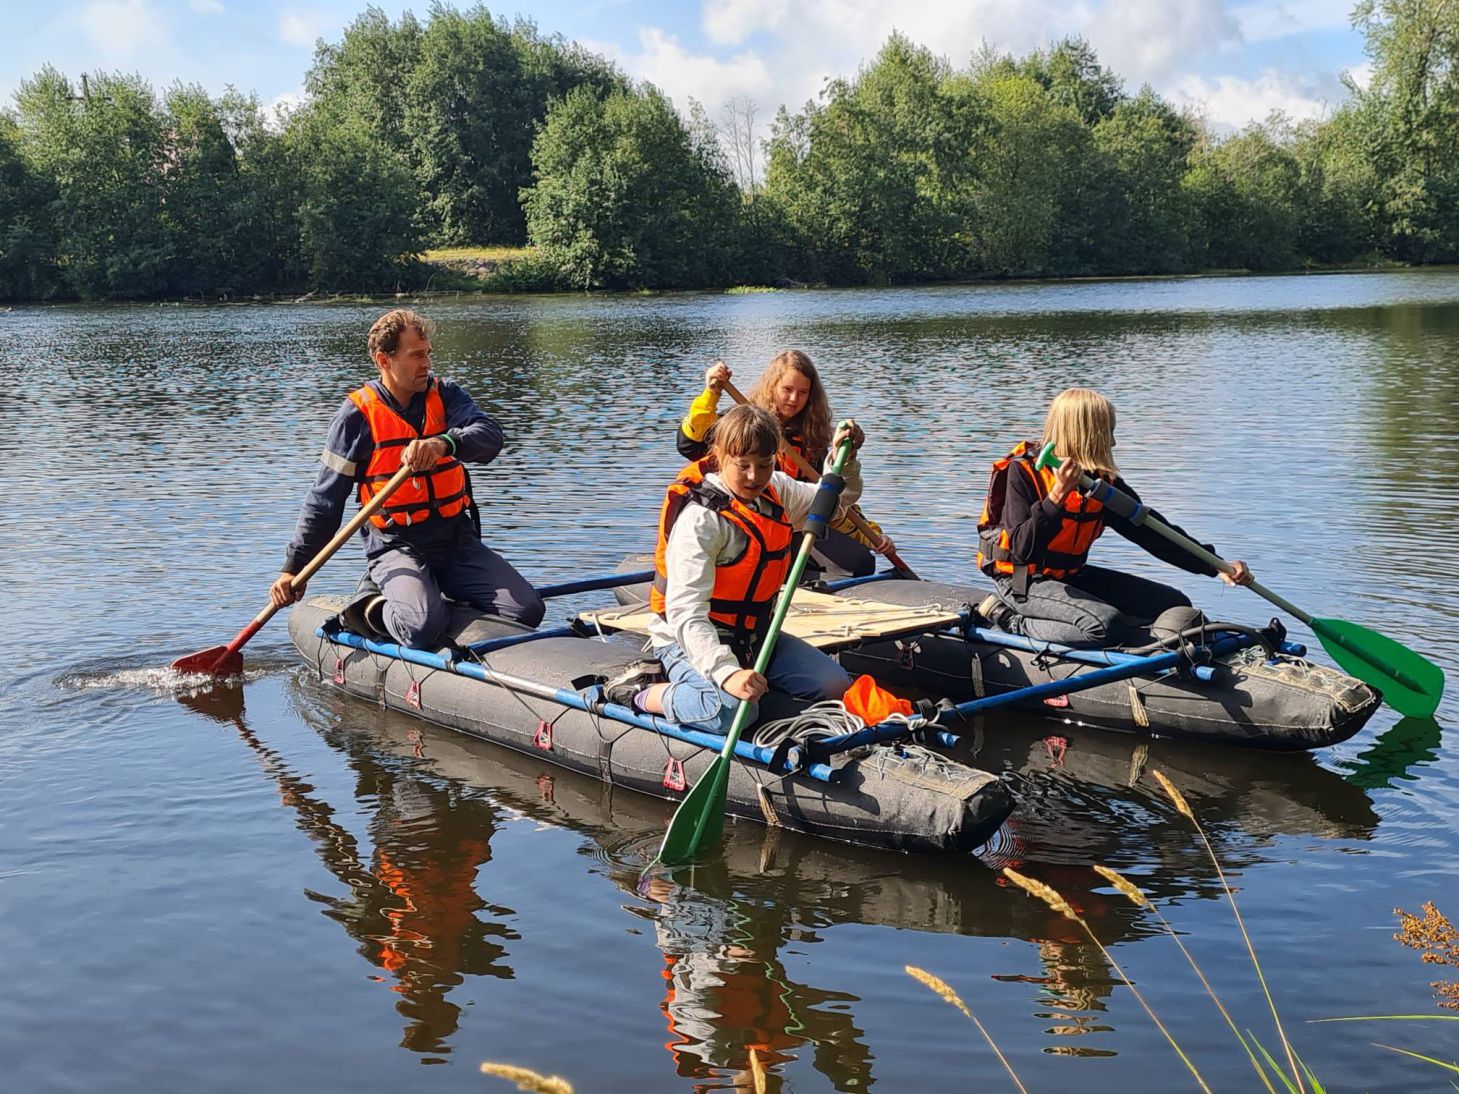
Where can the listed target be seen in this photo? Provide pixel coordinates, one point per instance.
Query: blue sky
(1233, 61)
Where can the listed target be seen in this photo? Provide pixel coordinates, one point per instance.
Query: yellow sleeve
(844, 525)
(703, 413)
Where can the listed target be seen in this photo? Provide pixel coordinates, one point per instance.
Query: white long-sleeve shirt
(699, 541)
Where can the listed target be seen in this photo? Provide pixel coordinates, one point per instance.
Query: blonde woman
(791, 390)
(1036, 530)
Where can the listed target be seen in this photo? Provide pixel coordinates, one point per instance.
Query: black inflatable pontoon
(539, 692)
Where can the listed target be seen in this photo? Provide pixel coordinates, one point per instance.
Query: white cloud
(207, 7)
(1230, 102)
(1263, 20)
(680, 74)
(1152, 40)
(303, 26)
(730, 22)
(783, 50)
(121, 31)
(278, 109)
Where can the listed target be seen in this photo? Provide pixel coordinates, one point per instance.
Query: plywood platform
(825, 621)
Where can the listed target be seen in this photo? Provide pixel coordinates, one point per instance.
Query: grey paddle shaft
(1136, 513)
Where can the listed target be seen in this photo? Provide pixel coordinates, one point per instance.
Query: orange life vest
(744, 586)
(441, 491)
(784, 461)
(1066, 553)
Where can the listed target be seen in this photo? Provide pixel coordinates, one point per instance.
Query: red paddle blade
(218, 661)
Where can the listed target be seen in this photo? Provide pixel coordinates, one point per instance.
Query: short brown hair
(746, 431)
(386, 331)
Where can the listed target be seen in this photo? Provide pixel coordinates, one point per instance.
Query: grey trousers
(840, 555)
(1095, 607)
(413, 585)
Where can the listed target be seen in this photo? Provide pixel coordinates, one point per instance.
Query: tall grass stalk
(1137, 897)
(1050, 897)
(527, 1079)
(1420, 1056)
(941, 987)
(1185, 810)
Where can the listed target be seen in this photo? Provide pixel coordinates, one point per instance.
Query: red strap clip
(339, 671)
(674, 775)
(543, 737)
(1058, 701)
(412, 695)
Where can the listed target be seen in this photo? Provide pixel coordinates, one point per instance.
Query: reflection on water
(435, 799)
(1307, 424)
(412, 903)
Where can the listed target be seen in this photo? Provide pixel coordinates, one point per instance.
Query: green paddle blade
(1411, 684)
(699, 819)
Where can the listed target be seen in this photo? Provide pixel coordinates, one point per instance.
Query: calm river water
(281, 888)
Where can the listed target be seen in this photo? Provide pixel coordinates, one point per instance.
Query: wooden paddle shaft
(803, 465)
(354, 524)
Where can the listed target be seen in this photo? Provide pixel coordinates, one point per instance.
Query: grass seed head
(1042, 891)
(1124, 885)
(527, 1079)
(939, 985)
(1174, 794)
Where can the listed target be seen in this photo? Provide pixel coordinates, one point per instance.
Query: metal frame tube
(752, 753)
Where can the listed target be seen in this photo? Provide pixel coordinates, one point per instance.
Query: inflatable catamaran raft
(540, 692)
(1226, 684)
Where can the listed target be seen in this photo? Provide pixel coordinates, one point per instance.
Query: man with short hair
(425, 541)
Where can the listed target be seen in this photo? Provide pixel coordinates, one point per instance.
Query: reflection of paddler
(790, 389)
(728, 1002)
(414, 908)
(420, 922)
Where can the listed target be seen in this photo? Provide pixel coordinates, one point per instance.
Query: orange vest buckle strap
(441, 491)
(1082, 520)
(745, 586)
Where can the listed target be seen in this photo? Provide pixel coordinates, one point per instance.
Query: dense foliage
(466, 128)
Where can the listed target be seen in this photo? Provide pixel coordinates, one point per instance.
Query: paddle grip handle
(823, 507)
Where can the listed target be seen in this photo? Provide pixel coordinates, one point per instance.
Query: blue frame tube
(589, 584)
(1139, 666)
(751, 753)
(1068, 653)
(1109, 657)
(488, 645)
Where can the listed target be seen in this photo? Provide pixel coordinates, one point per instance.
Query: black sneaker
(641, 674)
(364, 613)
(999, 616)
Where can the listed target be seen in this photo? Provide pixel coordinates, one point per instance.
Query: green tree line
(466, 128)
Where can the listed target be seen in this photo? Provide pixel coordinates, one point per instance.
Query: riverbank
(448, 273)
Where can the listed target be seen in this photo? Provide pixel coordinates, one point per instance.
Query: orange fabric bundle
(873, 703)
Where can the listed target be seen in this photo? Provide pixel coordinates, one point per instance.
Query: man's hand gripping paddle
(226, 660)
